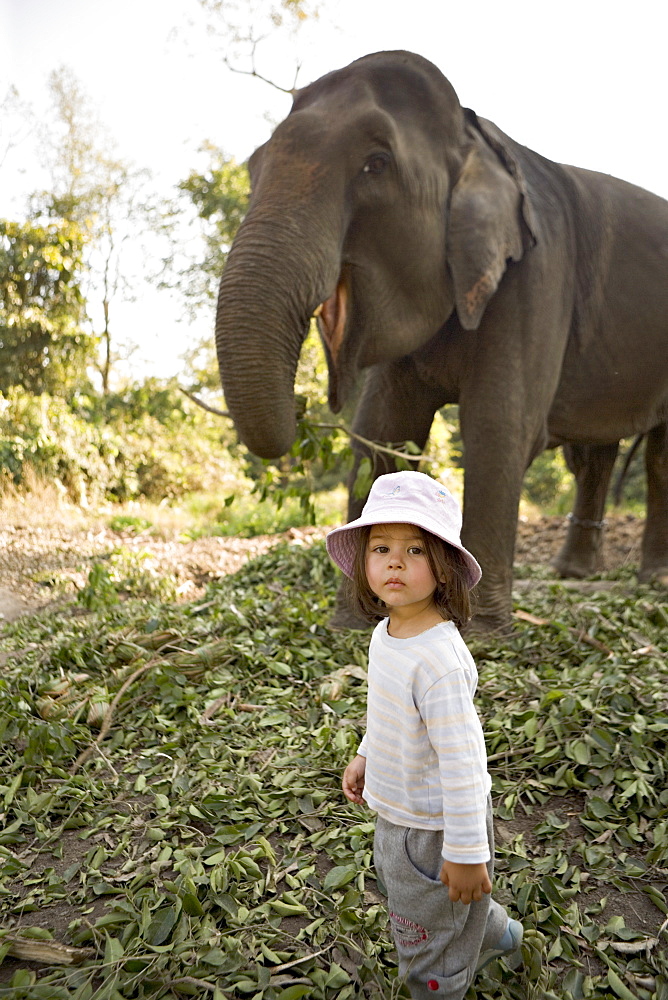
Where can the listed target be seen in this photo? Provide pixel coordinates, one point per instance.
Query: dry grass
(48, 545)
(41, 503)
(37, 502)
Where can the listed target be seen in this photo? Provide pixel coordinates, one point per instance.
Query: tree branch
(106, 723)
(253, 72)
(205, 406)
(374, 444)
(189, 981)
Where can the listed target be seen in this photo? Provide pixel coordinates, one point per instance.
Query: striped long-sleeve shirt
(426, 765)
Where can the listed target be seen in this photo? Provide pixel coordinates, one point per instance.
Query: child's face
(397, 567)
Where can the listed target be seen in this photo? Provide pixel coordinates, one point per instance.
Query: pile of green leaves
(203, 848)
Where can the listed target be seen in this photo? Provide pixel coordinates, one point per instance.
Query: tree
(200, 225)
(219, 192)
(16, 122)
(242, 25)
(43, 343)
(247, 22)
(98, 191)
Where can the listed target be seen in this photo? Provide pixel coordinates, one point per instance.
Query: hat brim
(342, 543)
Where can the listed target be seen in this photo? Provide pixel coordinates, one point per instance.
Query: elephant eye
(376, 163)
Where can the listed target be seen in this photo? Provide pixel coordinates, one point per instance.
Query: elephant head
(381, 204)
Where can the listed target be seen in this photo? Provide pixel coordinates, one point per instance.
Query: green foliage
(96, 191)
(317, 451)
(130, 523)
(43, 346)
(634, 486)
(124, 574)
(548, 482)
(207, 846)
(147, 441)
(241, 516)
(44, 434)
(100, 591)
(219, 194)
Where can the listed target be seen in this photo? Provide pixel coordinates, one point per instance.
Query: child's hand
(353, 779)
(465, 882)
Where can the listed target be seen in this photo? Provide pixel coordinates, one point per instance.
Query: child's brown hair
(452, 596)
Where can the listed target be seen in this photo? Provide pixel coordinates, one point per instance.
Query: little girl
(422, 764)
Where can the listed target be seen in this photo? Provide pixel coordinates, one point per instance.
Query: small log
(48, 952)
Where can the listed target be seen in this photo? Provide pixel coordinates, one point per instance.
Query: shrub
(548, 482)
(116, 448)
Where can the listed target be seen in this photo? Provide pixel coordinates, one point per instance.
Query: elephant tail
(619, 485)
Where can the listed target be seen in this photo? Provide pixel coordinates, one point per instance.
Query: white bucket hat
(404, 498)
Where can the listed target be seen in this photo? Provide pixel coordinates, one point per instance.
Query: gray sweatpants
(438, 942)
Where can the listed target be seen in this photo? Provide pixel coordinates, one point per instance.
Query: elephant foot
(346, 615)
(569, 566)
(581, 555)
(654, 577)
(346, 618)
(487, 627)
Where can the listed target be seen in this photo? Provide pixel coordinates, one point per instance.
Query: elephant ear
(490, 223)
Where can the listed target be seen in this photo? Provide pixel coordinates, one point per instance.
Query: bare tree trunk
(106, 333)
(106, 340)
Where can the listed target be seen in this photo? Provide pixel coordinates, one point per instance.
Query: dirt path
(46, 555)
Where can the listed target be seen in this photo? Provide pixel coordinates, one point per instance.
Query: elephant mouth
(332, 315)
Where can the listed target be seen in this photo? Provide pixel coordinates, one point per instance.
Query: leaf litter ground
(172, 823)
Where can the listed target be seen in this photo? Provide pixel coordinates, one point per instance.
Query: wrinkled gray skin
(452, 265)
(582, 552)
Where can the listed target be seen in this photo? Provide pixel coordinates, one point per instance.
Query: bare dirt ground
(47, 552)
(45, 558)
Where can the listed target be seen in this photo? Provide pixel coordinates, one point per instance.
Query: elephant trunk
(270, 287)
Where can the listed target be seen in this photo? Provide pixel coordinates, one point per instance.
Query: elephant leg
(592, 465)
(395, 406)
(654, 560)
(492, 488)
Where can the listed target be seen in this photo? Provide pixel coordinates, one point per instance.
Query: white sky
(580, 81)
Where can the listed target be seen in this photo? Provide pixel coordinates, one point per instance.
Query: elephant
(581, 553)
(591, 465)
(449, 264)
